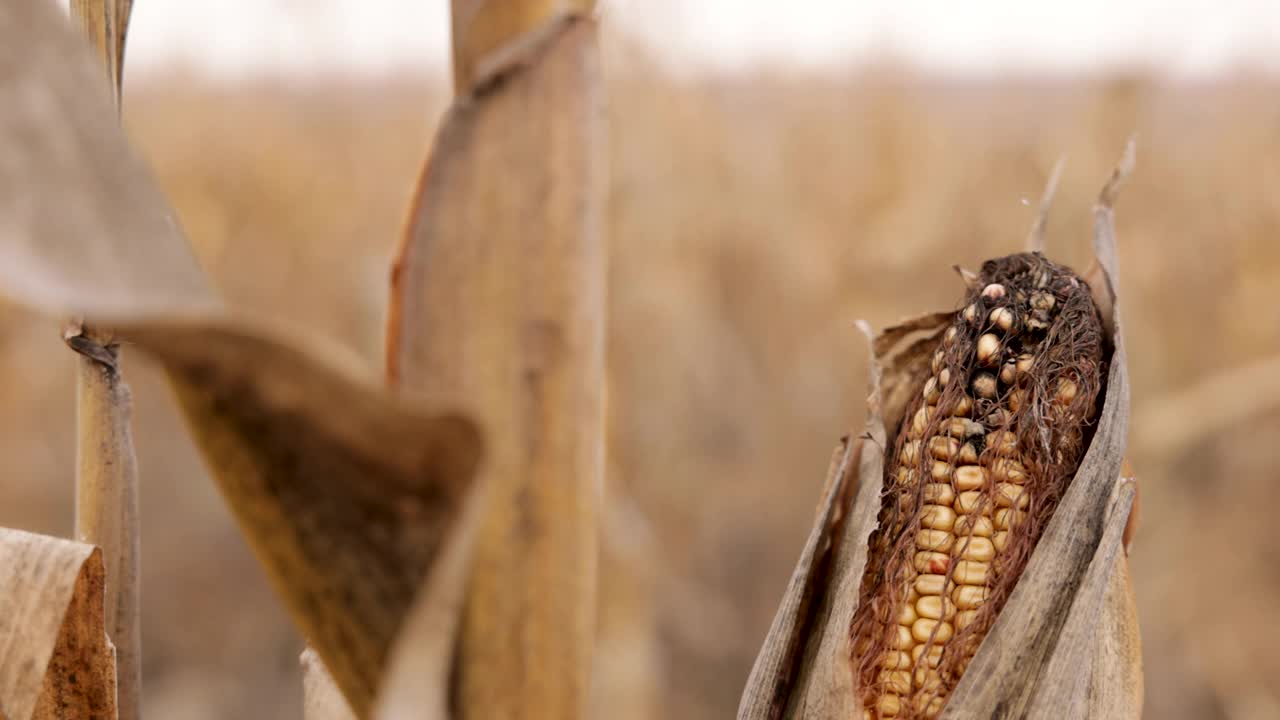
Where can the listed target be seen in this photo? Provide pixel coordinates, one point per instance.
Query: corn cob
(983, 454)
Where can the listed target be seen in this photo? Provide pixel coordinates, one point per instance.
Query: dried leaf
(55, 660)
(345, 493)
(321, 699)
(84, 230)
(498, 302)
(1076, 574)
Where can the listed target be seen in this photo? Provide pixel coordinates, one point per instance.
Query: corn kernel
(1001, 317)
(936, 540)
(976, 548)
(968, 502)
(969, 597)
(969, 477)
(930, 584)
(939, 494)
(988, 350)
(924, 629)
(979, 525)
(969, 572)
(927, 561)
(938, 517)
(1010, 495)
(935, 608)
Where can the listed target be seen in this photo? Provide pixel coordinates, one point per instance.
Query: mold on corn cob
(984, 452)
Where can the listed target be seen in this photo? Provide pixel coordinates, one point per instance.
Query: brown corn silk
(987, 446)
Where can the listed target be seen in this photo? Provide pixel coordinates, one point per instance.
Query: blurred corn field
(753, 219)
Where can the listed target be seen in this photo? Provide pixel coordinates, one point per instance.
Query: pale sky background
(1183, 37)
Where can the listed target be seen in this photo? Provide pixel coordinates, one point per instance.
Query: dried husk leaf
(498, 302)
(345, 493)
(321, 699)
(55, 660)
(1045, 656)
(84, 229)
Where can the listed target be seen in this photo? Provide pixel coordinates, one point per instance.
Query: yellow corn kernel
(934, 563)
(968, 502)
(895, 660)
(979, 525)
(1010, 495)
(968, 454)
(934, 658)
(938, 517)
(930, 584)
(1003, 443)
(988, 350)
(976, 548)
(942, 447)
(1008, 470)
(902, 640)
(888, 705)
(941, 472)
(931, 392)
(896, 681)
(1005, 518)
(936, 540)
(971, 572)
(1000, 540)
(1001, 317)
(910, 453)
(934, 607)
(939, 494)
(964, 618)
(907, 614)
(969, 597)
(969, 477)
(920, 421)
(924, 629)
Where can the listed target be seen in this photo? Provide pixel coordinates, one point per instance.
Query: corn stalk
(106, 468)
(498, 302)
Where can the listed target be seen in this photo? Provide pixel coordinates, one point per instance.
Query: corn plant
(433, 540)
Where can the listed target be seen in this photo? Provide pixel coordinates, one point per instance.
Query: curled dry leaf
(345, 494)
(863, 624)
(85, 230)
(498, 302)
(55, 660)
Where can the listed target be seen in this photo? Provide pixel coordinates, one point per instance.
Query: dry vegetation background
(754, 218)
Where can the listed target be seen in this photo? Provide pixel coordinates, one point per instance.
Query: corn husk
(1049, 654)
(56, 662)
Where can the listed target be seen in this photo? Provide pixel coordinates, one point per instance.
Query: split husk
(55, 660)
(1048, 654)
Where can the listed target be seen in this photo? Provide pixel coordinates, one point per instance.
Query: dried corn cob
(985, 451)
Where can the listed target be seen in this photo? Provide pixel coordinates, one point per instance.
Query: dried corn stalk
(498, 301)
(106, 467)
(969, 542)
